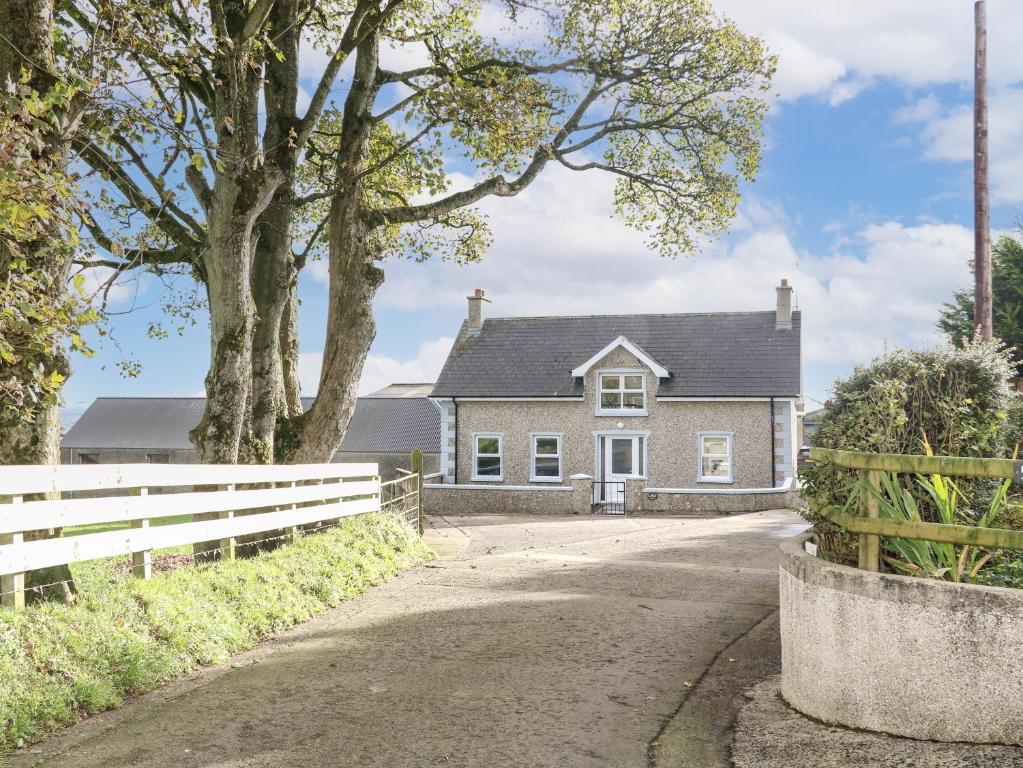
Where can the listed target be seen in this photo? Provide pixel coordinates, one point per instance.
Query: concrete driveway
(537, 642)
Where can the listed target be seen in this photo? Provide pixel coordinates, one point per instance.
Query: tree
(39, 320)
(666, 96)
(956, 318)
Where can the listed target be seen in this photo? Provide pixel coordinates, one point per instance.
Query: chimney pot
(783, 313)
(475, 320)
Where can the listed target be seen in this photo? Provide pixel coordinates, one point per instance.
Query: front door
(620, 456)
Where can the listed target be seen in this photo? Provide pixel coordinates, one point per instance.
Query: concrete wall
(389, 461)
(912, 657)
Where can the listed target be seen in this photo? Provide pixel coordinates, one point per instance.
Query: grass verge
(59, 663)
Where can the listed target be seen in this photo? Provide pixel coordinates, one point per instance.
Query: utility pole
(981, 201)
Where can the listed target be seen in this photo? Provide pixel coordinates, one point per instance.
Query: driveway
(536, 642)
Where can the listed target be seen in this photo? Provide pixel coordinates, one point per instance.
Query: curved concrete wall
(912, 657)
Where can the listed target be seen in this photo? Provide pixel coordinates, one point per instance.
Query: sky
(863, 202)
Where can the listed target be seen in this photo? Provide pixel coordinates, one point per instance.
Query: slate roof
(725, 354)
(386, 424)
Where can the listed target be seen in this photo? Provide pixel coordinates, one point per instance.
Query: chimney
(476, 310)
(783, 314)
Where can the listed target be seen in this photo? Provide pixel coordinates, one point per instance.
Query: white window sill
(719, 480)
(624, 412)
(488, 479)
(545, 479)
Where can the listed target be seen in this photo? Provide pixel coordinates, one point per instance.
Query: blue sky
(864, 202)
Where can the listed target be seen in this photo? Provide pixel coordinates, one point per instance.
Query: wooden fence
(871, 527)
(225, 502)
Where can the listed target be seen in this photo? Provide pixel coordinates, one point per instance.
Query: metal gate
(401, 497)
(609, 497)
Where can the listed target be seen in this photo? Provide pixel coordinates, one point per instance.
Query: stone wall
(912, 657)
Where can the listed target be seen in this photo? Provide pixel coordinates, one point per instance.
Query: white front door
(620, 458)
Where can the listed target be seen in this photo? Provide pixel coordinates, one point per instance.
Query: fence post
(870, 544)
(12, 585)
(291, 532)
(417, 467)
(141, 561)
(228, 544)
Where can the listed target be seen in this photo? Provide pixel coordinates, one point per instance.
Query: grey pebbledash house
(669, 413)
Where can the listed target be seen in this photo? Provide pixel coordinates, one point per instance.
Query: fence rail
(226, 502)
(871, 527)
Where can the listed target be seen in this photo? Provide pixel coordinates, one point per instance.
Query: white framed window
(545, 457)
(488, 456)
(621, 393)
(715, 462)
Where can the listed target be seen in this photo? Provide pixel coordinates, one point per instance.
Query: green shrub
(959, 398)
(124, 636)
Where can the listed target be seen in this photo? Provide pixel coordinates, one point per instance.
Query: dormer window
(621, 393)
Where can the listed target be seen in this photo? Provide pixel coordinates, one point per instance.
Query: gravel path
(534, 642)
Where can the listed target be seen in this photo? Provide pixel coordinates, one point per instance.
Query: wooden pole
(982, 206)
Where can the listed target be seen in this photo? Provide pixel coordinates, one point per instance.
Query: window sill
(624, 412)
(545, 479)
(718, 480)
(488, 479)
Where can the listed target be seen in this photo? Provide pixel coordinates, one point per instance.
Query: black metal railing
(609, 497)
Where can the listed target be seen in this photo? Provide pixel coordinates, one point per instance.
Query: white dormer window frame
(658, 370)
(619, 384)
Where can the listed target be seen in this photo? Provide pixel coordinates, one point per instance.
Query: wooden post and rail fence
(871, 527)
(223, 503)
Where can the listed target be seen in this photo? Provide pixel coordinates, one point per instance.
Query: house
(668, 413)
(386, 427)
(811, 421)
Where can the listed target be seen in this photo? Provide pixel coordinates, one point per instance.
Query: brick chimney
(476, 309)
(783, 314)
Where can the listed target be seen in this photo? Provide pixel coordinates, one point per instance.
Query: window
(621, 393)
(487, 456)
(157, 458)
(715, 458)
(546, 450)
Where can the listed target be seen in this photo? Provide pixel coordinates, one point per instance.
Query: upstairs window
(715, 457)
(488, 456)
(622, 393)
(546, 450)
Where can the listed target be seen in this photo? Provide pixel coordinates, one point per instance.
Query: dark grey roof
(728, 354)
(379, 425)
(404, 390)
(136, 422)
(392, 424)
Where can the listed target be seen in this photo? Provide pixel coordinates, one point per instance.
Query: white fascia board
(519, 399)
(659, 370)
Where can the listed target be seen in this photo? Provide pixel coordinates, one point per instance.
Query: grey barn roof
(726, 354)
(385, 424)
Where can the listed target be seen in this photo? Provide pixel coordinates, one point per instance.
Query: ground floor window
(546, 458)
(487, 456)
(715, 457)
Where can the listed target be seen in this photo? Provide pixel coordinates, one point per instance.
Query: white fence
(225, 502)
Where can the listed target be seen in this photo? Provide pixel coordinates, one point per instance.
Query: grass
(59, 662)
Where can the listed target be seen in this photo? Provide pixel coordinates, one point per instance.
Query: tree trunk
(289, 355)
(354, 278)
(37, 441)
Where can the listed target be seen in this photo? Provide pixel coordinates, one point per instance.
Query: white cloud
(558, 251)
(947, 134)
(833, 48)
(381, 370)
